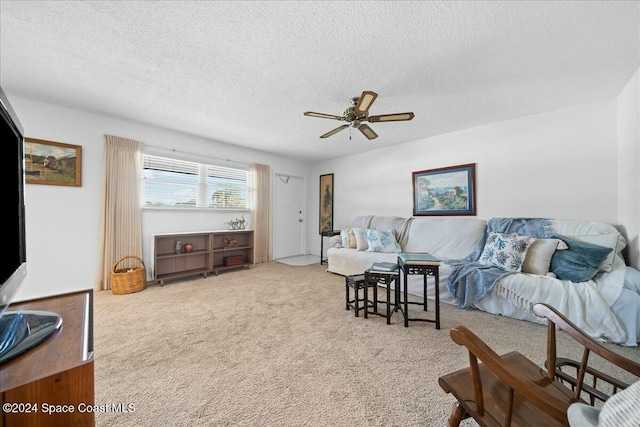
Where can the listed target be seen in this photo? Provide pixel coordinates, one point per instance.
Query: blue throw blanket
(470, 280)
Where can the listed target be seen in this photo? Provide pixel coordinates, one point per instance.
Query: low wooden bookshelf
(212, 252)
(232, 249)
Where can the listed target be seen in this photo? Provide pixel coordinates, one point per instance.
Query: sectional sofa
(504, 265)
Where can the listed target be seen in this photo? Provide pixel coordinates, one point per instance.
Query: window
(180, 184)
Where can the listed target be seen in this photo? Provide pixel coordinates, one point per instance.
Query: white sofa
(607, 307)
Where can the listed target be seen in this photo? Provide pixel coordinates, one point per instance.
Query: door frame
(274, 231)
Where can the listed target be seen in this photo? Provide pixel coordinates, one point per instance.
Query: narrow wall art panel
(326, 203)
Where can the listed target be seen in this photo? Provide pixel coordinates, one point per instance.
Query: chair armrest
(545, 310)
(533, 391)
(555, 364)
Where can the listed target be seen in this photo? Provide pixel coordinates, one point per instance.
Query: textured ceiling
(244, 72)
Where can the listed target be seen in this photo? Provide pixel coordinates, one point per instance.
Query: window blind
(178, 183)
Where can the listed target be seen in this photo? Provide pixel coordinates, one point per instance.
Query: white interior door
(288, 216)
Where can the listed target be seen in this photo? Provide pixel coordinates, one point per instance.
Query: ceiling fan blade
(322, 115)
(367, 131)
(365, 101)
(333, 132)
(397, 117)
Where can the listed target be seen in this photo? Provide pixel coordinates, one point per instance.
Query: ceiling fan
(359, 113)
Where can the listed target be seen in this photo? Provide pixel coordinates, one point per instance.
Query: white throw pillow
(621, 409)
(335, 242)
(539, 254)
(361, 238)
(382, 241)
(344, 237)
(348, 238)
(506, 251)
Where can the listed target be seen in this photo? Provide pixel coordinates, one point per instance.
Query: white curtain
(121, 214)
(261, 212)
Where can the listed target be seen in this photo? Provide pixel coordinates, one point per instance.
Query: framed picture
(52, 163)
(445, 191)
(326, 203)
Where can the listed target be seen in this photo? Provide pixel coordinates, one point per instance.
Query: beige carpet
(274, 346)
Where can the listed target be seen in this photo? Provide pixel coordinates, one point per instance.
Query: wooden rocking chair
(511, 390)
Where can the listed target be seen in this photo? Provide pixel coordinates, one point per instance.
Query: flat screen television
(19, 330)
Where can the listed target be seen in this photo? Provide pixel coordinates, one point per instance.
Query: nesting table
(425, 265)
(357, 282)
(387, 278)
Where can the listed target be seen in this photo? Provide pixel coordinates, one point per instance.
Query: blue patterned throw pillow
(580, 262)
(382, 241)
(506, 251)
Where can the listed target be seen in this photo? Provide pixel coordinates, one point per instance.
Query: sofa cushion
(538, 258)
(445, 238)
(361, 221)
(506, 251)
(382, 241)
(351, 261)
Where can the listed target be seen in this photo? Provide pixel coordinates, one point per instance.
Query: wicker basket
(130, 279)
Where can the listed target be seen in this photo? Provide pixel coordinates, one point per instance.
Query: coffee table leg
(406, 302)
(424, 278)
(388, 303)
(437, 277)
(346, 286)
(366, 296)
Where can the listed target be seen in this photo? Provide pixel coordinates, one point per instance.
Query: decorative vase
(178, 247)
(188, 247)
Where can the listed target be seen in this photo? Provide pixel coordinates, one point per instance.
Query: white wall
(629, 168)
(558, 164)
(63, 223)
(580, 162)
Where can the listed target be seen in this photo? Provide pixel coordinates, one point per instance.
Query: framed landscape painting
(445, 191)
(52, 163)
(326, 203)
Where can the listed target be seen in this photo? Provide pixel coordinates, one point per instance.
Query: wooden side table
(329, 233)
(427, 267)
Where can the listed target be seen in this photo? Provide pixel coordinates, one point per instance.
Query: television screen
(13, 268)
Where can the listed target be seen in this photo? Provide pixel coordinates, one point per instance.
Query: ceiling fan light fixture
(365, 101)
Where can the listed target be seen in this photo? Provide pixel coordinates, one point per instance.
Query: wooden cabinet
(58, 373)
(212, 251)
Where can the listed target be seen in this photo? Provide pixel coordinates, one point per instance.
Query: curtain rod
(173, 150)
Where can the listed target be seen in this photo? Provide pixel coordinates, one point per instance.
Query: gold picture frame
(326, 203)
(52, 163)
